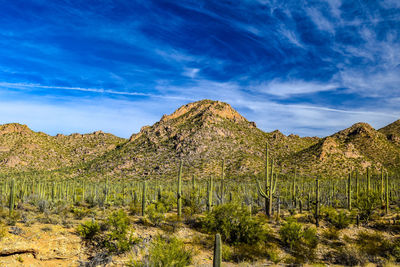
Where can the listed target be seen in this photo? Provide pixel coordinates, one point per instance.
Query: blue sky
(303, 67)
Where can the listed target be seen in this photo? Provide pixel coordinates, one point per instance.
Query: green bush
(192, 203)
(155, 213)
(235, 224)
(88, 230)
(168, 199)
(80, 213)
(165, 252)
(347, 256)
(367, 203)
(375, 245)
(117, 239)
(338, 219)
(302, 241)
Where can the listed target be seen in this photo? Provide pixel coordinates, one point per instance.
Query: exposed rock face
(14, 128)
(202, 133)
(357, 147)
(392, 132)
(23, 149)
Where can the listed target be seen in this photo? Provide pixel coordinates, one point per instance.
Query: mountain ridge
(203, 134)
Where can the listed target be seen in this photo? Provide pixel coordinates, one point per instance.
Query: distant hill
(203, 134)
(22, 149)
(355, 148)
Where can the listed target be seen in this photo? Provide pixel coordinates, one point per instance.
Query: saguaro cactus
(179, 191)
(387, 194)
(209, 194)
(349, 192)
(382, 187)
(317, 202)
(217, 260)
(270, 184)
(221, 194)
(144, 198)
(193, 182)
(12, 197)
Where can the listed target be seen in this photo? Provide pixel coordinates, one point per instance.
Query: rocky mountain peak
(205, 109)
(14, 128)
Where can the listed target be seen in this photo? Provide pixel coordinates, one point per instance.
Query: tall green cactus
(387, 194)
(382, 187)
(221, 194)
(357, 186)
(179, 190)
(316, 202)
(144, 198)
(349, 192)
(270, 184)
(193, 182)
(368, 180)
(12, 197)
(217, 260)
(294, 204)
(210, 190)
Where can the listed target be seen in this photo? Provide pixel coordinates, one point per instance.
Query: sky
(305, 67)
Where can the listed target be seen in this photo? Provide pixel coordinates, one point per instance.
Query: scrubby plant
(88, 230)
(347, 256)
(117, 239)
(80, 213)
(375, 245)
(338, 219)
(235, 224)
(367, 203)
(155, 213)
(301, 241)
(166, 252)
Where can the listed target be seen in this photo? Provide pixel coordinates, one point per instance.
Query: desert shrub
(80, 213)
(117, 239)
(43, 205)
(347, 256)
(191, 203)
(332, 233)
(250, 252)
(168, 252)
(135, 208)
(3, 231)
(375, 245)
(302, 241)
(155, 213)
(91, 200)
(367, 203)
(168, 199)
(235, 224)
(338, 219)
(88, 230)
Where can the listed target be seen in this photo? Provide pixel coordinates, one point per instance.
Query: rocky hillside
(22, 149)
(357, 147)
(202, 134)
(392, 132)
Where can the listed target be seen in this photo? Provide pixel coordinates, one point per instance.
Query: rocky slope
(355, 148)
(392, 132)
(22, 149)
(203, 134)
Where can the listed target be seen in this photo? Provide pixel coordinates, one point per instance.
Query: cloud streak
(303, 67)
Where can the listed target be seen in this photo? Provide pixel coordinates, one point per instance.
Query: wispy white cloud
(290, 87)
(91, 90)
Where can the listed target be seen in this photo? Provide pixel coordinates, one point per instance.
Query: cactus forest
(203, 213)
